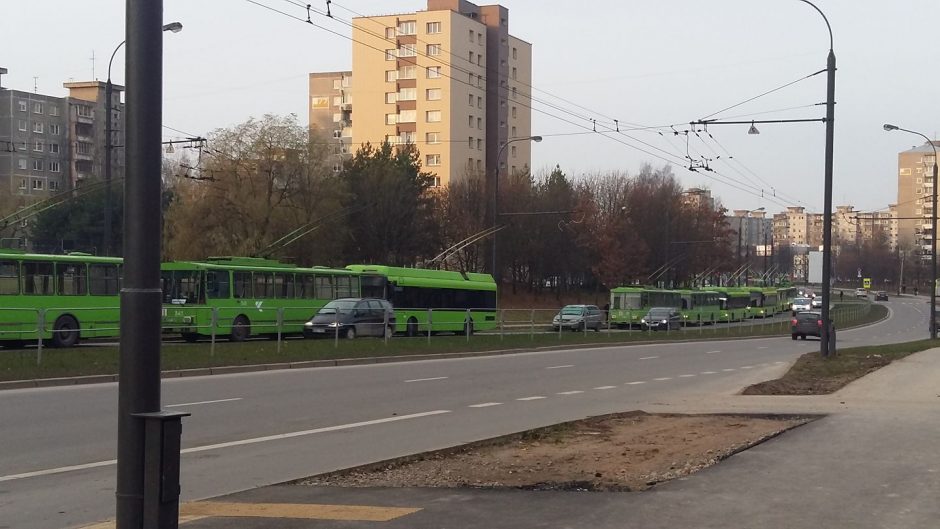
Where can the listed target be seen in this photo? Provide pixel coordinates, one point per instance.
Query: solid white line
(485, 405)
(242, 442)
(201, 402)
(605, 387)
(537, 397)
(648, 357)
(711, 352)
(425, 379)
(560, 367)
(686, 376)
(575, 392)
(662, 378)
(637, 382)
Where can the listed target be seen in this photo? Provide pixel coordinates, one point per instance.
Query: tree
(77, 223)
(463, 214)
(391, 207)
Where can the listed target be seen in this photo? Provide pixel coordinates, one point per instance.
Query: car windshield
(801, 301)
(572, 311)
(659, 313)
(341, 306)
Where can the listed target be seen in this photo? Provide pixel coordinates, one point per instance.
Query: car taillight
(819, 323)
(793, 321)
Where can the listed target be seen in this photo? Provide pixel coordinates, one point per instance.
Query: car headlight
(643, 320)
(664, 321)
(334, 324)
(308, 324)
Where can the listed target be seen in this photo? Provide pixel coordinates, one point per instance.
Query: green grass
(103, 360)
(814, 375)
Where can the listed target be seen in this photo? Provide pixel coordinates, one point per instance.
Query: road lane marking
(254, 440)
(605, 387)
(711, 352)
(536, 397)
(729, 370)
(426, 379)
(560, 367)
(648, 357)
(686, 376)
(709, 372)
(298, 511)
(747, 367)
(762, 347)
(637, 382)
(201, 402)
(662, 378)
(485, 405)
(573, 392)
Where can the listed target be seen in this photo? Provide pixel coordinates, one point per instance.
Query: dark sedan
(807, 323)
(662, 319)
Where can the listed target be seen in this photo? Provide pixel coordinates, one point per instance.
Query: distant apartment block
(450, 80)
(331, 113)
(915, 194)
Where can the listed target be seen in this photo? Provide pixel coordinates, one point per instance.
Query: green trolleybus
(453, 301)
(240, 297)
(628, 305)
(735, 303)
(699, 307)
(60, 298)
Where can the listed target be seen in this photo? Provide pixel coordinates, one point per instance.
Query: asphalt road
(259, 428)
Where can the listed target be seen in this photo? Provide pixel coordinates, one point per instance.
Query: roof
(926, 147)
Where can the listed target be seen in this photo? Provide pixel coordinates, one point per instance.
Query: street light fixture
(499, 155)
(933, 228)
(172, 27)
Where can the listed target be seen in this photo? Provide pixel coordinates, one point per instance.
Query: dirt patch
(620, 452)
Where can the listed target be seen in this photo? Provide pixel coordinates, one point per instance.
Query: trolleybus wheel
(241, 329)
(65, 332)
(412, 327)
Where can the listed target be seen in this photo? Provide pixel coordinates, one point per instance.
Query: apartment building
(915, 192)
(331, 113)
(87, 113)
(450, 79)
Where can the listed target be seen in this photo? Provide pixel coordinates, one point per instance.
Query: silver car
(578, 318)
(801, 304)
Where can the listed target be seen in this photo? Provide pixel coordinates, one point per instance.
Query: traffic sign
(866, 282)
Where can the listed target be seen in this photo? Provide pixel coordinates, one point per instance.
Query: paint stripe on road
(426, 379)
(573, 392)
(536, 397)
(485, 405)
(762, 347)
(201, 402)
(648, 357)
(708, 372)
(660, 379)
(560, 367)
(297, 511)
(255, 440)
(686, 376)
(605, 387)
(636, 382)
(711, 352)
(729, 370)
(747, 367)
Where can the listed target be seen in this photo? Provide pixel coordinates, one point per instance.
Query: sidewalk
(872, 462)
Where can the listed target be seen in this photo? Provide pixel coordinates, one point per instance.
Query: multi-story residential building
(451, 80)
(331, 113)
(915, 190)
(697, 198)
(50, 144)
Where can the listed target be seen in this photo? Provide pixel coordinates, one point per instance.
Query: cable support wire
(781, 87)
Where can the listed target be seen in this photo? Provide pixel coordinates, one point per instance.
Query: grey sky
(649, 62)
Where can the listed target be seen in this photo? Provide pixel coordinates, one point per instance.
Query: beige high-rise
(915, 190)
(451, 80)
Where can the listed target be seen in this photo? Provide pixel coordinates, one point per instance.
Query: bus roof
(245, 266)
(423, 277)
(72, 257)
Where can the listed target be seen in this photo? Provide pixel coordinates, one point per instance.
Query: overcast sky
(646, 62)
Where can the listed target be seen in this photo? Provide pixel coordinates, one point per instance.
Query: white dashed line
(762, 347)
(709, 372)
(537, 397)
(662, 378)
(485, 405)
(574, 392)
(648, 357)
(711, 352)
(635, 383)
(779, 362)
(605, 387)
(747, 367)
(686, 376)
(425, 379)
(201, 402)
(728, 370)
(560, 367)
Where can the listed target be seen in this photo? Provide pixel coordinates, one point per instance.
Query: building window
(407, 116)
(408, 94)
(38, 185)
(513, 133)
(479, 102)
(472, 33)
(21, 125)
(479, 81)
(37, 108)
(479, 165)
(432, 116)
(433, 160)
(37, 165)
(470, 121)
(408, 137)
(390, 33)
(434, 49)
(22, 183)
(479, 144)
(37, 127)
(905, 171)
(470, 142)
(391, 76)
(390, 55)
(23, 106)
(21, 164)
(432, 138)
(54, 148)
(433, 27)
(54, 184)
(337, 117)
(470, 79)
(515, 53)
(407, 28)
(470, 100)
(434, 72)
(407, 50)
(408, 72)
(480, 123)
(480, 38)
(391, 97)
(514, 92)
(513, 72)
(54, 129)
(470, 57)
(512, 150)
(83, 147)
(83, 111)
(54, 167)
(433, 94)
(391, 119)
(337, 84)
(436, 182)
(513, 111)
(920, 180)
(480, 60)
(37, 146)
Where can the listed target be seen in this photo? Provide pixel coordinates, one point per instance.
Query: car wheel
(802, 337)
(241, 329)
(351, 333)
(793, 336)
(190, 337)
(65, 332)
(412, 327)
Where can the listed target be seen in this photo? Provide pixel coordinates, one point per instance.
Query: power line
(781, 87)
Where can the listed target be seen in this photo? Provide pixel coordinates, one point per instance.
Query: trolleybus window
(9, 278)
(71, 279)
(104, 280)
(37, 278)
(242, 284)
(324, 287)
(217, 285)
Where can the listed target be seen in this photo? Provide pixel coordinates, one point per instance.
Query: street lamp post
(499, 154)
(174, 27)
(933, 233)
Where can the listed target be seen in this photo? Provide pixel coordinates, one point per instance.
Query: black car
(806, 323)
(662, 319)
(352, 317)
(881, 295)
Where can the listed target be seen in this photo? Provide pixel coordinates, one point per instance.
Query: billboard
(815, 267)
(319, 102)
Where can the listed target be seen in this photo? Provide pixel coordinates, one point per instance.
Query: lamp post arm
(824, 19)
(113, 53)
